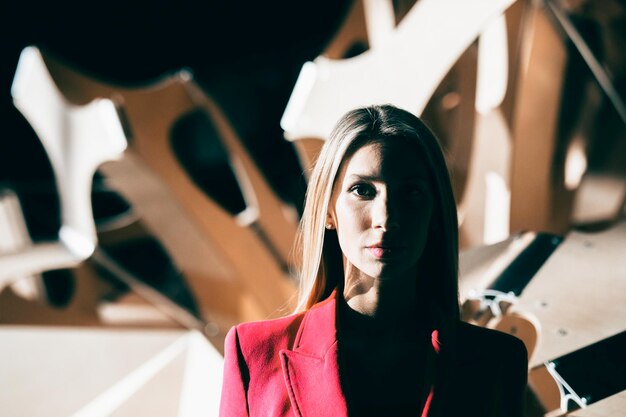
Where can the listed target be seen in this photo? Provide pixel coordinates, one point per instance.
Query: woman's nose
(384, 214)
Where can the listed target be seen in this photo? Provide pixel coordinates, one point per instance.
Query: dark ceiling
(247, 55)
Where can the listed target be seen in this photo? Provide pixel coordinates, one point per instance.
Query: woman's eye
(363, 190)
(415, 193)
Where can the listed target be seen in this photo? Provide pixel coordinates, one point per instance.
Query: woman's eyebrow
(365, 177)
(362, 177)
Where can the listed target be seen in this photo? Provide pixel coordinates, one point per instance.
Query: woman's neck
(382, 304)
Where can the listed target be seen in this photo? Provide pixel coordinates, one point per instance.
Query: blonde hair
(321, 269)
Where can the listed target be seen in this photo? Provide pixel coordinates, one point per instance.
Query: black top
(392, 383)
(485, 375)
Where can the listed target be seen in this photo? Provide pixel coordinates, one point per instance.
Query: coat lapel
(311, 369)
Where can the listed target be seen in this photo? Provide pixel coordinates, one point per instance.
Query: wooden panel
(80, 311)
(615, 405)
(87, 372)
(579, 295)
(534, 185)
(235, 265)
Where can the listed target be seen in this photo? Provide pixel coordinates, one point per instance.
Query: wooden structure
(236, 265)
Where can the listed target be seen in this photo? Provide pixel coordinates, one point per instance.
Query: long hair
(321, 266)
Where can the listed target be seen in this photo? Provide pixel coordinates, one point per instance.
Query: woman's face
(381, 207)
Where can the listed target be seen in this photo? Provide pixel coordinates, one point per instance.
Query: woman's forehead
(391, 158)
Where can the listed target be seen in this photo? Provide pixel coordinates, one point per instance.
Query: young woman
(377, 329)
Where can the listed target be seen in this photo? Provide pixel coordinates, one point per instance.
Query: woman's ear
(330, 223)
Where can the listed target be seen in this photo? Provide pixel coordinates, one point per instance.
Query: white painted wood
(493, 66)
(405, 72)
(379, 20)
(77, 139)
(14, 237)
(89, 372)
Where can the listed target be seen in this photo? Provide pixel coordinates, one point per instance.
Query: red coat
(288, 367)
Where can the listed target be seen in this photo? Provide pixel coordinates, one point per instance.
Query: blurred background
(154, 158)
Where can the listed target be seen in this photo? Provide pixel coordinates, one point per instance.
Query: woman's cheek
(351, 223)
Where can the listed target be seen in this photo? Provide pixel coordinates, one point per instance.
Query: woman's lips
(383, 252)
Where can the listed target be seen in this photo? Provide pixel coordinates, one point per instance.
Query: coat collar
(311, 369)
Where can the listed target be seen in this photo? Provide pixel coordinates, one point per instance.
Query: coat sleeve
(512, 396)
(234, 401)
